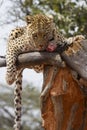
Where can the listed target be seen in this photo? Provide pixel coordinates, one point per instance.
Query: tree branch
(33, 58)
(74, 55)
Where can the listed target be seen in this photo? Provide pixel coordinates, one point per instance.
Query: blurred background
(71, 18)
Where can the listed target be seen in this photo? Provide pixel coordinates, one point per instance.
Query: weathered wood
(2, 61)
(33, 58)
(66, 105)
(76, 57)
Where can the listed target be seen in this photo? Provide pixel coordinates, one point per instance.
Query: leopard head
(42, 29)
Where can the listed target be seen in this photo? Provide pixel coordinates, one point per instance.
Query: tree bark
(33, 58)
(65, 108)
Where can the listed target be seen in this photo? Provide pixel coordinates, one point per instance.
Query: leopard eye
(53, 36)
(51, 39)
(45, 35)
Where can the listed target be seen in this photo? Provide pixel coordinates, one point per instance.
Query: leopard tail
(17, 100)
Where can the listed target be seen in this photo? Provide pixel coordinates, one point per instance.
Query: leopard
(15, 33)
(40, 34)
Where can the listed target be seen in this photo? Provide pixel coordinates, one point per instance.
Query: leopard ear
(28, 19)
(50, 17)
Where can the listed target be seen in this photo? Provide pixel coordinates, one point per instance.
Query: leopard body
(39, 32)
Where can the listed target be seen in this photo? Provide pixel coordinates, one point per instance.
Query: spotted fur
(35, 36)
(17, 100)
(15, 33)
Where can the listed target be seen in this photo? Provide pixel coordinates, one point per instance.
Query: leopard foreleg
(11, 67)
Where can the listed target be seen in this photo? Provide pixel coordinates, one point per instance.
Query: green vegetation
(30, 112)
(69, 15)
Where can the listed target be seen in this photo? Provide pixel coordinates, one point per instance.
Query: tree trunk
(63, 97)
(65, 108)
